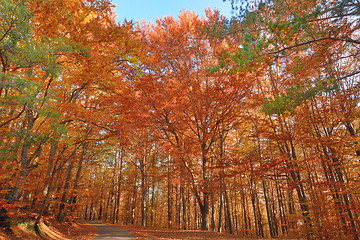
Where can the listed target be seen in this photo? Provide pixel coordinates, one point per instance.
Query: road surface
(107, 232)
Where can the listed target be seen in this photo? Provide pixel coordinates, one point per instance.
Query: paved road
(107, 232)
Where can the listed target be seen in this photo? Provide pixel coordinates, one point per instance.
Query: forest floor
(51, 230)
(154, 233)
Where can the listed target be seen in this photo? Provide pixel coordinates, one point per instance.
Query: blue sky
(138, 10)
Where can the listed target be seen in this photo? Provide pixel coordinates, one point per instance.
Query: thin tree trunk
(117, 203)
(271, 220)
(152, 210)
(245, 213)
(228, 213)
(183, 200)
(282, 209)
(236, 214)
(169, 198)
(62, 210)
(77, 179)
(212, 226)
(220, 212)
(49, 180)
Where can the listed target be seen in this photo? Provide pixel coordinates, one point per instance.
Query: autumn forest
(247, 125)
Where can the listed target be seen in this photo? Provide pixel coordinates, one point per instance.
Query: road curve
(107, 232)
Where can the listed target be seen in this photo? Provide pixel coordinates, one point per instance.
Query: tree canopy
(248, 125)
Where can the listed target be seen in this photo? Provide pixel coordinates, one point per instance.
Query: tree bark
(117, 202)
(229, 225)
(24, 157)
(62, 211)
(271, 220)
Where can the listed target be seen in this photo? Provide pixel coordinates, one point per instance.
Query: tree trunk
(50, 174)
(228, 220)
(204, 211)
(24, 158)
(204, 205)
(152, 210)
(271, 220)
(62, 210)
(77, 179)
(183, 200)
(169, 198)
(221, 202)
(117, 202)
(282, 208)
(236, 213)
(212, 217)
(245, 213)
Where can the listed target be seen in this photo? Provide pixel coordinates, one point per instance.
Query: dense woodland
(248, 125)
